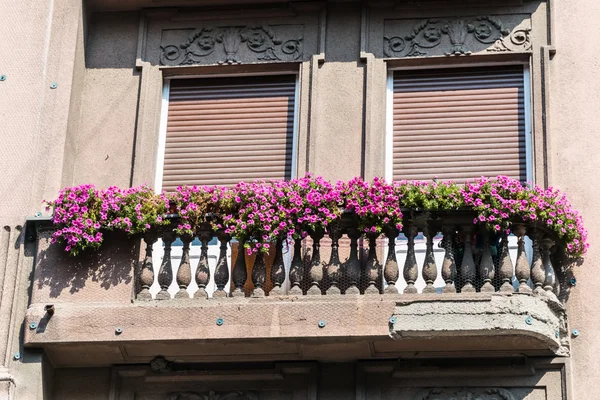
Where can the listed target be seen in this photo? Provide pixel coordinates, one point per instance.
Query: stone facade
(81, 98)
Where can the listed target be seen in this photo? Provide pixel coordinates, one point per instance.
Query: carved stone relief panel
(458, 393)
(457, 36)
(232, 45)
(466, 394)
(213, 396)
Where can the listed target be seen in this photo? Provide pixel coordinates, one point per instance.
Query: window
(458, 123)
(220, 131)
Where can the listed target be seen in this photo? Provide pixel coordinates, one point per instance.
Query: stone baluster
(297, 269)
(184, 272)
(334, 268)
(411, 269)
(538, 275)
(278, 269)
(506, 267)
(522, 267)
(147, 272)
(259, 275)
(352, 264)
(391, 272)
(222, 269)
(373, 268)
(448, 265)
(316, 268)
(551, 285)
(486, 264)
(203, 270)
(240, 274)
(165, 273)
(429, 267)
(467, 267)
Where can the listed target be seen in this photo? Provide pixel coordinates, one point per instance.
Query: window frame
(164, 118)
(527, 102)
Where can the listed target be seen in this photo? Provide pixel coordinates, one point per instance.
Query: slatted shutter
(459, 123)
(225, 130)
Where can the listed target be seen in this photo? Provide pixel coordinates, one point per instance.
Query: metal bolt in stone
(118, 331)
(557, 333)
(322, 323)
(38, 214)
(573, 281)
(2, 78)
(393, 320)
(575, 332)
(529, 320)
(32, 325)
(17, 356)
(220, 321)
(53, 85)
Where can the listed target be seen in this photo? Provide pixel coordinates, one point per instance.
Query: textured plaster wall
(574, 118)
(28, 107)
(84, 132)
(108, 102)
(339, 99)
(39, 46)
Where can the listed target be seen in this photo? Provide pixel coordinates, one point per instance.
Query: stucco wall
(339, 99)
(88, 129)
(106, 126)
(574, 119)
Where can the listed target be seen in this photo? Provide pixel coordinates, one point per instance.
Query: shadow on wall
(565, 272)
(112, 40)
(112, 265)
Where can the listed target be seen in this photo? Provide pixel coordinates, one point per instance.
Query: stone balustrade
(435, 253)
(443, 282)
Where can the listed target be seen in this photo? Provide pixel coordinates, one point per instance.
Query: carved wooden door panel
(286, 381)
(418, 380)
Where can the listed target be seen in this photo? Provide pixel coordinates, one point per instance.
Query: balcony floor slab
(288, 328)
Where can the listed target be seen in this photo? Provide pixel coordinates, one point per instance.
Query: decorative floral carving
(204, 42)
(463, 34)
(466, 394)
(457, 30)
(393, 45)
(519, 40)
(213, 396)
(159, 365)
(231, 38)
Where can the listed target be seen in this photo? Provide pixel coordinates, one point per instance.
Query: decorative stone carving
(519, 40)
(213, 396)
(456, 36)
(159, 365)
(466, 394)
(233, 45)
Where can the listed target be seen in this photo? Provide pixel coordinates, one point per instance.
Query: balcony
(444, 285)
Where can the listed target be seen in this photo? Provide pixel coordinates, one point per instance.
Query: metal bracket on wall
(32, 224)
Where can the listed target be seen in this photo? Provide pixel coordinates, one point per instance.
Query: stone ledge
(537, 316)
(356, 327)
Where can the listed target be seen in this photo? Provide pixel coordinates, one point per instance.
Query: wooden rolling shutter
(226, 130)
(459, 123)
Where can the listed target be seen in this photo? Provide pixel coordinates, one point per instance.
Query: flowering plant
(195, 205)
(260, 213)
(376, 204)
(499, 202)
(77, 216)
(262, 216)
(137, 209)
(429, 196)
(312, 204)
(83, 212)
